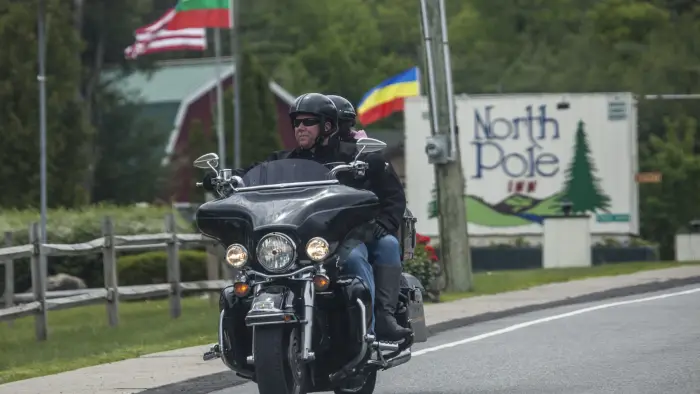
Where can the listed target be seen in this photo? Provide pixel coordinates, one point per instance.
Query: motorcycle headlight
(276, 252)
(236, 255)
(317, 249)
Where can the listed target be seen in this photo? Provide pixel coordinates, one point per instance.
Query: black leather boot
(387, 281)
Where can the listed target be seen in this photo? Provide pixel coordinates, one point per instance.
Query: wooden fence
(39, 302)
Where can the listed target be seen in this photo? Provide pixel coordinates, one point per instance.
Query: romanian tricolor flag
(388, 97)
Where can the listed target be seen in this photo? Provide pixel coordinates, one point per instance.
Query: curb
(227, 379)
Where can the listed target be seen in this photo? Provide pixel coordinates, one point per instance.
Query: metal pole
(448, 77)
(219, 100)
(41, 77)
(236, 51)
(42, 114)
(431, 67)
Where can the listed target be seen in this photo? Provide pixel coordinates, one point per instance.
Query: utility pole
(443, 151)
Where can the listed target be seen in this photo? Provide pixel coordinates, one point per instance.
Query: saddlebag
(413, 291)
(407, 235)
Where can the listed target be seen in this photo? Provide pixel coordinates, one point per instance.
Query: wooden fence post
(173, 267)
(9, 277)
(212, 271)
(41, 328)
(109, 265)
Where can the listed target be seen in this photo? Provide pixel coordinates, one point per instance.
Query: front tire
(277, 360)
(359, 385)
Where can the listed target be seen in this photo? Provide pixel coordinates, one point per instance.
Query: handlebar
(225, 184)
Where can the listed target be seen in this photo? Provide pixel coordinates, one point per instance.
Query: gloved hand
(379, 231)
(207, 181)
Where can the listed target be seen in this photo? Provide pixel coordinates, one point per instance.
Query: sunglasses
(306, 122)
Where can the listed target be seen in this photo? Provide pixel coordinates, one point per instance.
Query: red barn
(182, 91)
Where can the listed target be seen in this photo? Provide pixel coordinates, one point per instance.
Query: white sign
(522, 155)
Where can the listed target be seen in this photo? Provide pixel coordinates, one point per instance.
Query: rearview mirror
(209, 160)
(369, 145)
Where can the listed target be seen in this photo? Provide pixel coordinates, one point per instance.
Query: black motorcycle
(293, 321)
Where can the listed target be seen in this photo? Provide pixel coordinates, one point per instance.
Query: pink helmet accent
(357, 134)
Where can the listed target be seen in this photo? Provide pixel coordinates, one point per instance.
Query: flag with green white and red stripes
(202, 13)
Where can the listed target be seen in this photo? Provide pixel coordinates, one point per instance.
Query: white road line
(548, 319)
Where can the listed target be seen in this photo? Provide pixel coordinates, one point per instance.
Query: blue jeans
(385, 251)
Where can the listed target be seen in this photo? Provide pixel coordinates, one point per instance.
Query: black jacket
(381, 177)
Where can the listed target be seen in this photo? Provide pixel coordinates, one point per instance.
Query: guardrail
(39, 302)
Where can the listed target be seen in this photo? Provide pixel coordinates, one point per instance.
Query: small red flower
(422, 239)
(433, 257)
(430, 249)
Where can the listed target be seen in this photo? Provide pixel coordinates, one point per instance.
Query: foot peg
(379, 345)
(213, 353)
(401, 358)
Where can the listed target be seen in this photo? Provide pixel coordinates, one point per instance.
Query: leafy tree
(582, 186)
(107, 28)
(129, 169)
(669, 206)
(199, 142)
(259, 135)
(67, 131)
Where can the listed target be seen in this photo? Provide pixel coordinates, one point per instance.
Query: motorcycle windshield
(328, 209)
(286, 171)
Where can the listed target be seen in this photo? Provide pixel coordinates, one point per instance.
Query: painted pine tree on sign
(582, 187)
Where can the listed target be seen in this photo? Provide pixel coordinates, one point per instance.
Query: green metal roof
(172, 81)
(167, 92)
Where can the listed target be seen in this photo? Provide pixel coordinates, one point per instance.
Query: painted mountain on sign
(514, 210)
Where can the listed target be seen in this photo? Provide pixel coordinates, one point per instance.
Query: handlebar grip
(200, 184)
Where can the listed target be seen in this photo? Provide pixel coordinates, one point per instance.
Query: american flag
(156, 37)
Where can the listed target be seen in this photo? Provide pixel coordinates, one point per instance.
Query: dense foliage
(96, 152)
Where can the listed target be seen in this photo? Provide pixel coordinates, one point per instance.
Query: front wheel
(363, 384)
(277, 360)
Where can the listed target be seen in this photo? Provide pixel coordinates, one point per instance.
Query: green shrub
(152, 267)
(423, 265)
(81, 225)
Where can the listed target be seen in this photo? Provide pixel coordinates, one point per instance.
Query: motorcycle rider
(385, 249)
(346, 119)
(315, 119)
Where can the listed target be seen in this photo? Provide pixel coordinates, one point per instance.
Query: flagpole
(235, 51)
(219, 100)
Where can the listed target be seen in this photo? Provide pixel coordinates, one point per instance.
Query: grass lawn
(80, 337)
(502, 281)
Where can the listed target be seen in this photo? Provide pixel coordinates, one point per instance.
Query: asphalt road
(650, 346)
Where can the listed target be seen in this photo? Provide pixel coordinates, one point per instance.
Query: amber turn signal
(241, 289)
(321, 282)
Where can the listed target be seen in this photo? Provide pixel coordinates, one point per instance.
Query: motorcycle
(293, 321)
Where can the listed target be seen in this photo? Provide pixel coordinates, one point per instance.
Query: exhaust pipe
(402, 358)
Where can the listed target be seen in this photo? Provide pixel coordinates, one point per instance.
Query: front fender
(272, 305)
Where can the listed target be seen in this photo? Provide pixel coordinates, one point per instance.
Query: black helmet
(346, 111)
(319, 105)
